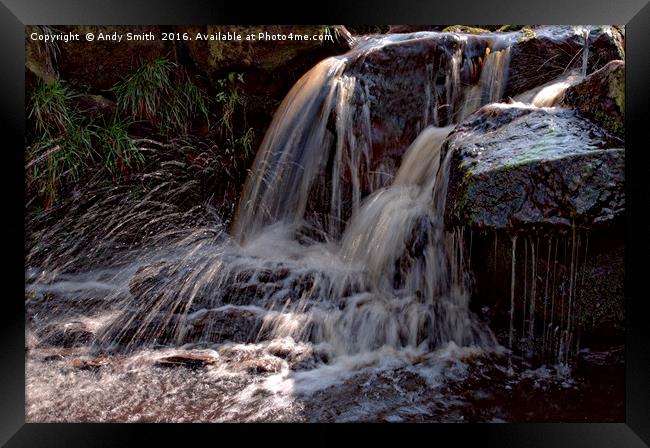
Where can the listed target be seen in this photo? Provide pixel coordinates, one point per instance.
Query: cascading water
(338, 261)
(394, 250)
(323, 143)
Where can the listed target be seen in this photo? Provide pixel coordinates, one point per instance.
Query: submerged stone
(71, 334)
(188, 360)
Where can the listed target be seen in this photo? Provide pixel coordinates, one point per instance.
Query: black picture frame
(634, 14)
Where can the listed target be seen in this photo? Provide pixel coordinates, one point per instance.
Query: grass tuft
(164, 95)
(65, 143)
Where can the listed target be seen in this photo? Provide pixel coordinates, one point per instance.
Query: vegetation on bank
(66, 142)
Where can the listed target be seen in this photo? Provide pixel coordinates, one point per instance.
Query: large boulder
(601, 97)
(545, 53)
(514, 166)
(556, 180)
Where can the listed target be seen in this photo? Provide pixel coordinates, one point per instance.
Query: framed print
(234, 216)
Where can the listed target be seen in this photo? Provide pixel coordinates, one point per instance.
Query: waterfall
(585, 52)
(408, 273)
(293, 150)
(325, 149)
(395, 275)
(338, 293)
(339, 239)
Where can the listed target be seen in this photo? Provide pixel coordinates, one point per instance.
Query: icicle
(553, 290)
(585, 53)
(471, 242)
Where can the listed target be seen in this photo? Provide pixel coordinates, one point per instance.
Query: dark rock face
(95, 105)
(213, 56)
(517, 167)
(598, 284)
(601, 97)
(543, 54)
(601, 298)
(270, 67)
(100, 64)
(412, 28)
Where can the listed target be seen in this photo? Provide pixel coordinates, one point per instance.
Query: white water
(381, 290)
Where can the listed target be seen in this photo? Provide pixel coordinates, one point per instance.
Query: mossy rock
(601, 97)
(40, 63)
(465, 29)
(519, 167)
(511, 28)
(526, 33)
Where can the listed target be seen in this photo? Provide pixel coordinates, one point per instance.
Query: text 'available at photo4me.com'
(222, 35)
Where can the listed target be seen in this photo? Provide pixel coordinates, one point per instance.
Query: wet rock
(237, 294)
(222, 324)
(518, 167)
(413, 383)
(149, 276)
(93, 364)
(601, 97)
(140, 327)
(544, 53)
(374, 29)
(412, 28)
(270, 276)
(157, 283)
(262, 365)
(71, 334)
(191, 361)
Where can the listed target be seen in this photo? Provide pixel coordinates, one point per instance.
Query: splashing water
(338, 261)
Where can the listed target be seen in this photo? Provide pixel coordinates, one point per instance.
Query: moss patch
(465, 29)
(617, 90)
(527, 33)
(609, 122)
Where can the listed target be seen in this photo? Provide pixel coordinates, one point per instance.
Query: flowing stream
(338, 278)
